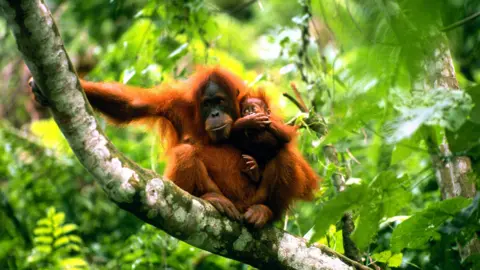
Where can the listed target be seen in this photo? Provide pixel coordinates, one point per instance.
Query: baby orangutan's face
(253, 106)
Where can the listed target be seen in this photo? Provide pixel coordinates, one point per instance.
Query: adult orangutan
(195, 118)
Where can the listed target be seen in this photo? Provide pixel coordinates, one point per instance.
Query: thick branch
(142, 192)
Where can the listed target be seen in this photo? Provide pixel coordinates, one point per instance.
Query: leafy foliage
(383, 197)
(438, 107)
(388, 258)
(419, 229)
(56, 244)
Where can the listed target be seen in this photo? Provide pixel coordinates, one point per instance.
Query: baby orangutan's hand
(251, 168)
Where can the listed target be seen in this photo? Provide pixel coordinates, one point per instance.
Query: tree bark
(453, 173)
(145, 194)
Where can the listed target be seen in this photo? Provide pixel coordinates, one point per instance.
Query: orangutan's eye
(248, 110)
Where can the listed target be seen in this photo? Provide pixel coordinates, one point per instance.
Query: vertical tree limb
(453, 173)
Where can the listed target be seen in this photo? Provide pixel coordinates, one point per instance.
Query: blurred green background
(354, 63)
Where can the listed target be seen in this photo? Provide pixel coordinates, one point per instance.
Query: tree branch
(142, 192)
(314, 121)
(461, 22)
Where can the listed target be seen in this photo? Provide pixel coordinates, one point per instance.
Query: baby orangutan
(261, 138)
(271, 157)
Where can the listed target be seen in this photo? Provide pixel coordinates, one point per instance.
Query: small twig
(461, 22)
(374, 264)
(365, 136)
(294, 101)
(303, 107)
(352, 156)
(144, 37)
(343, 258)
(315, 121)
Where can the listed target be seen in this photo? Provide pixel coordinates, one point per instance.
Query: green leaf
(393, 192)
(333, 210)
(382, 256)
(68, 248)
(387, 258)
(42, 231)
(68, 228)
(58, 219)
(61, 241)
(43, 239)
(75, 238)
(68, 263)
(44, 222)
(74, 247)
(387, 195)
(44, 249)
(36, 256)
(50, 211)
(395, 260)
(466, 139)
(370, 215)
(338, 238)
(419, 229)
(65, 229)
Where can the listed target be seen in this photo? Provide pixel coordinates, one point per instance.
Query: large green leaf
(392, 260)
(370, 215)
(419, 229)
(387, 194)
(333, 210)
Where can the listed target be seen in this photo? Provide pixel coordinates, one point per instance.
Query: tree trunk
(452, 172)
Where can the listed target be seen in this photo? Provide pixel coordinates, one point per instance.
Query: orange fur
(170, 107)
(200, 166)
(287, 176)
